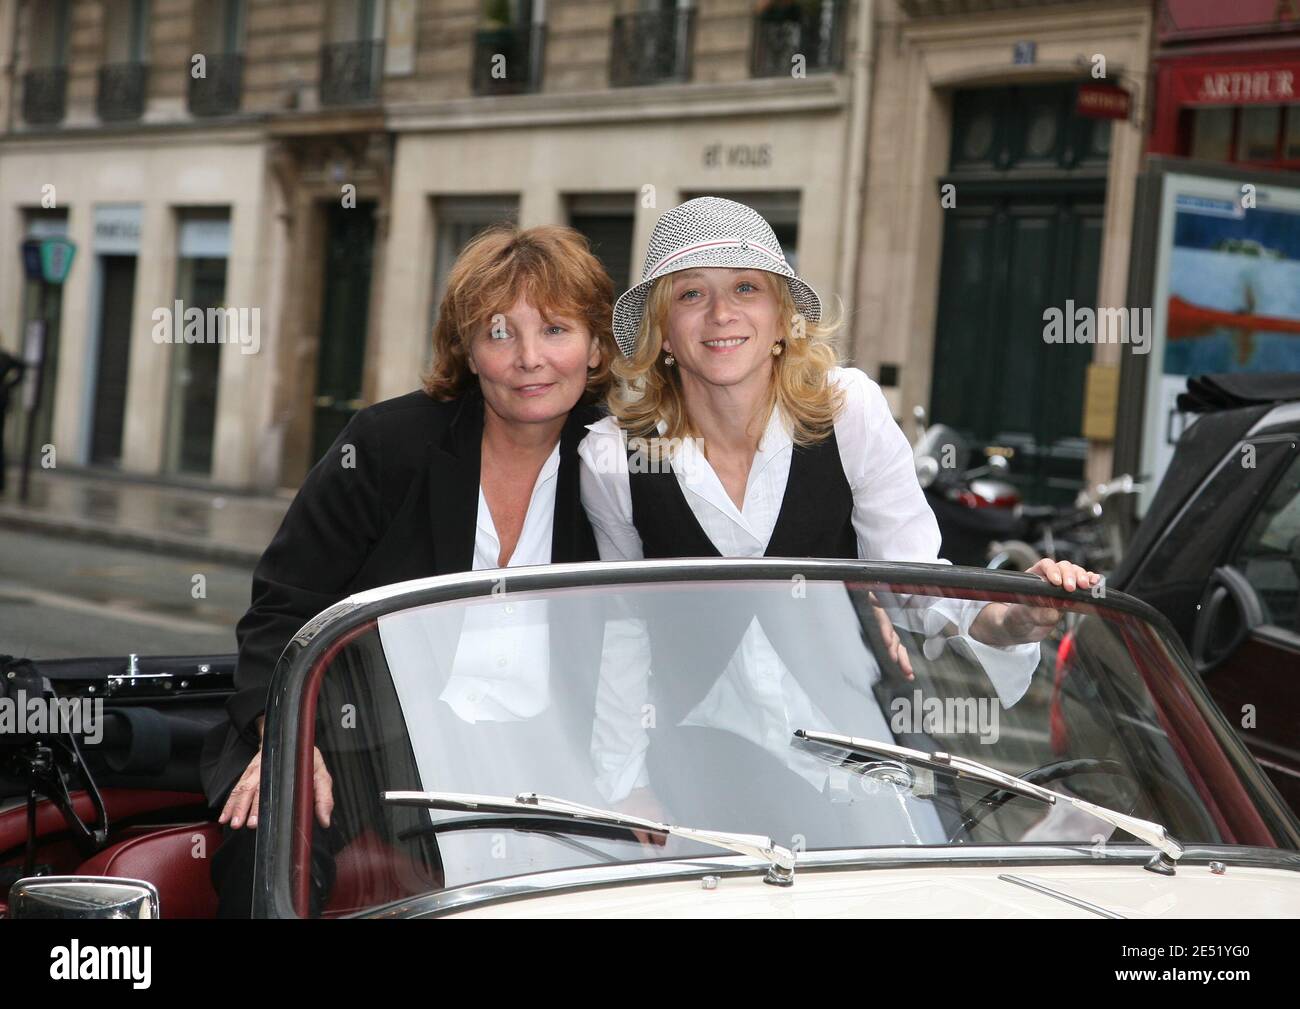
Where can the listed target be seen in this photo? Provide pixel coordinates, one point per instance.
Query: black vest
(816, 517)
(691, 648)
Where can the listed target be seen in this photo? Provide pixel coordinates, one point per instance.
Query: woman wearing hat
(733, 381)
(747, 439)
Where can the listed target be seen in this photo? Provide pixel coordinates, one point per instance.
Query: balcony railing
(121, 91)
(651, 47)
(219, 92)
(45, 92)
(807, 28)
(519, 68)
(350, 72)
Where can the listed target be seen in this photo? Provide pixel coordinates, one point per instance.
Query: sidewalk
(141, 515)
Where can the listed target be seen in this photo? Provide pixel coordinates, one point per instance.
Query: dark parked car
(1218, 553)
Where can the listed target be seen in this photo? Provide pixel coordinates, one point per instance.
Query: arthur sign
(1250, 84)
(1102, 101)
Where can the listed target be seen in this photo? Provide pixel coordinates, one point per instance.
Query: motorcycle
(984, 521)
(974, 505)
(1091, 533)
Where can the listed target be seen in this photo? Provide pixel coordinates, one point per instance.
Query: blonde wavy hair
(651, 391)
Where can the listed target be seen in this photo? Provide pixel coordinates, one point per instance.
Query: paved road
(63, 598)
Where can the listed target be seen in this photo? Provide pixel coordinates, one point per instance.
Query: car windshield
(679, 701)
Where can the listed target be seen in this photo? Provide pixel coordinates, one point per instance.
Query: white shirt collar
(698, 476)
(550, 471)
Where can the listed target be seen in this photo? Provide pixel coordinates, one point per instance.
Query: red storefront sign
(1227, 78)
(1244, 84)
(1102, 101)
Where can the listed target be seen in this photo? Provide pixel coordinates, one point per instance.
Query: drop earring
(776, 349)
(669, 359)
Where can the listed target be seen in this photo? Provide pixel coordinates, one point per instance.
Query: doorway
(1024, 235)
(117, 279)
(345, 312)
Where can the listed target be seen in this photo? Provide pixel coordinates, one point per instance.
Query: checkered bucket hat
(708, 231)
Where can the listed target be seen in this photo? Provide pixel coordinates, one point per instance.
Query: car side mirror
(82, 898)
(1229, 611)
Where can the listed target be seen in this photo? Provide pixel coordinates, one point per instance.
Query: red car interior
(174, 857)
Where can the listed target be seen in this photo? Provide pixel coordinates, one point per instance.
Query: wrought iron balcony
(519, 70)
(651, 47)
(350, 72)
(218, 93)
(121, 91)
(790, 28)
(45, 92)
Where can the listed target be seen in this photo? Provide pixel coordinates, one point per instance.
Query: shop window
(1291, 138)
(1264, 135)
(1257, 139)
(1212, 134)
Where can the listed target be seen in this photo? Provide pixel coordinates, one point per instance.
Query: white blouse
(891, 517)
(501, 668)
(892, 522)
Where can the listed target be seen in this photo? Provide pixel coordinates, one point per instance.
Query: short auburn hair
(552, 266)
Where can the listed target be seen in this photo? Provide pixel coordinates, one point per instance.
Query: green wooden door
(344, 315)
(1014, 246)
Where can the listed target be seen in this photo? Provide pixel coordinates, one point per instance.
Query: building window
(606, 221)
(1291, 137)
(202, 254)
(216, 86)
(45, 84)
(509, 47)
(457, 220)
(1258, 136)
(1267, 136)
(1212, 135)
(652, 43)
(124, 74)
(351, 65)
(790, 35)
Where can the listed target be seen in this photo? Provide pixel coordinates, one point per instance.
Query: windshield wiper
(1168, 850)
(780, 860)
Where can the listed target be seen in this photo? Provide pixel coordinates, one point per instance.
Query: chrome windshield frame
(272, 887)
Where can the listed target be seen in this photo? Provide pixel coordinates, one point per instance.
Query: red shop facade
(1227, 82)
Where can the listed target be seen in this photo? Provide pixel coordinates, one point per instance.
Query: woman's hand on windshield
(1018, 624)
(1063, 573)
(644, 803)
(893, 643)
(241, 806)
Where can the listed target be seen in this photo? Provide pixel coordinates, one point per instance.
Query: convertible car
(1218, 553)
(702, 738)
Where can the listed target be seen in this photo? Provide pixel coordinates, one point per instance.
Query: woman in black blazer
(522, 353)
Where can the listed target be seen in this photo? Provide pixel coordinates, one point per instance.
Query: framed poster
(1224, 291)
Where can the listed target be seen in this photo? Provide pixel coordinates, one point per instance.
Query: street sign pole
(48, 262)
(33, 401)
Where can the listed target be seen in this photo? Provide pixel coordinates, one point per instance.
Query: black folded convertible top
(1208, 393)
(1231, 406)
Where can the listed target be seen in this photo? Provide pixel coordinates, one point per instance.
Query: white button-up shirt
(892, 522)
(501, 669)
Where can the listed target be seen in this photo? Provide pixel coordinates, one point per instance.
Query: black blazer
(400, 503)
